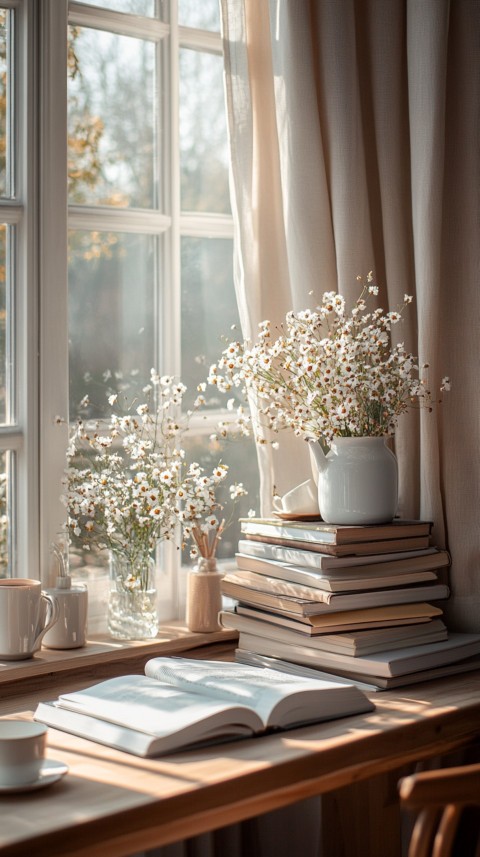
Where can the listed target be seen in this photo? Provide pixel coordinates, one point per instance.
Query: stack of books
(351, 601)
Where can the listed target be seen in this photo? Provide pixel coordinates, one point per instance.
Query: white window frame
(22, 436)
(53, 19)
(53, 322)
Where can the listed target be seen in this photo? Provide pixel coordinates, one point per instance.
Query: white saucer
(50, 773)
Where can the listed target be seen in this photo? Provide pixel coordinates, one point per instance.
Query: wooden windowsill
(106, 656)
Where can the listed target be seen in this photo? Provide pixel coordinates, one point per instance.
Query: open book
(182, 702)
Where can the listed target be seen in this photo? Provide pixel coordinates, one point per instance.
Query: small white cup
(22, 751)
(301, 500)
(70, 629)
(26, 613)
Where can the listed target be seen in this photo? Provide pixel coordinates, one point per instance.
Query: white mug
(26, 613)
(22, 751)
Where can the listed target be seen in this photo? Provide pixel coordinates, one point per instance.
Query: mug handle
(51, 616)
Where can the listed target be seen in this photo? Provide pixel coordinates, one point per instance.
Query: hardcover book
(416, 560)
(334, 534)
(395, 615)
(353, 643)
(349, 581)
(350, 549)
(261, 591)
(242, 656)
(393, 662)
(181, 703)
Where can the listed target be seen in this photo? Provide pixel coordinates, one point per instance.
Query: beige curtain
(354, 130)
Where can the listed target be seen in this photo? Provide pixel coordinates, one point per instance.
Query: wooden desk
(119, 804)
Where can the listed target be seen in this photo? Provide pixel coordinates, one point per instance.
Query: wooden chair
(447, 803)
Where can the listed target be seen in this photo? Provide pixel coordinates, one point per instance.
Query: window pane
(208, 307)
(134, 7)
(241, 458)
(203, 133)
(111, 316)
(111, 119)
(5, 106)
(5, 482)
(204, 15)
(6, 358)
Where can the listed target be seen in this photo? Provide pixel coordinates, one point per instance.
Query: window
(19, 522)
(11, 435)
(127, 126)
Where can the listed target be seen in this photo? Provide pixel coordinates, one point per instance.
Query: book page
(261, 689)
(150, 706)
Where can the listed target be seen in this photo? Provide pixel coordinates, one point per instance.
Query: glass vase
(132, 604)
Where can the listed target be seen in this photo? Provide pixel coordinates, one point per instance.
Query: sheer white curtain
(354, 128)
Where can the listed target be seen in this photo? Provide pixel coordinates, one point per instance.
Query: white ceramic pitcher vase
(357, 480)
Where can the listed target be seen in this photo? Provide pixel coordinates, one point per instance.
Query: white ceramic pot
(357, 480)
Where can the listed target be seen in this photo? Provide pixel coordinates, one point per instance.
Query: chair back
(447, 804)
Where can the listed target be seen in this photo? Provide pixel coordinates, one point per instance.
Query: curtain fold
(354, 134)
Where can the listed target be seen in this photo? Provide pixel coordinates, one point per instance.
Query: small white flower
(326, 372)
(237, 491)
(112, 399)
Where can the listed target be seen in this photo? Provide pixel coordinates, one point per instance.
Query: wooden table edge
(162, 821)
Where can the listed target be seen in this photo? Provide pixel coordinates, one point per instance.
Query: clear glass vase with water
(132, 605)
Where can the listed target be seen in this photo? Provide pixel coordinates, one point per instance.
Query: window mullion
(205, 225)
(120, 23)
(11, 439)
(170, 305)
(11, 4)
(22, 437)
(200, 40)
(169, 302)
(141, 221)
(53, 269)
(11, 212)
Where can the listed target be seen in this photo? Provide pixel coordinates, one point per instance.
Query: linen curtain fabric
(354, 129)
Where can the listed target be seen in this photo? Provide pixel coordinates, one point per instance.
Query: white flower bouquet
(123, 478)
(200, 508)
(328, 373)
(128, 487)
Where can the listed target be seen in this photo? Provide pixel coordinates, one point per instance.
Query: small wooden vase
(204, 599)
